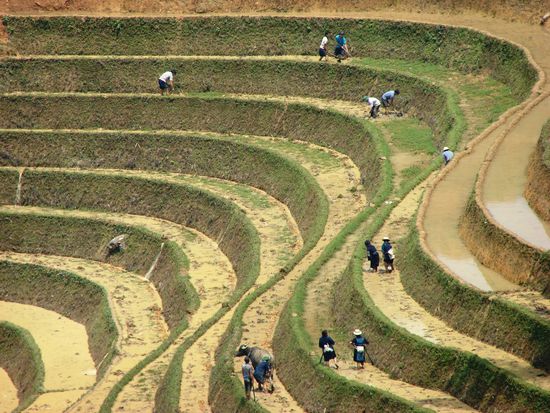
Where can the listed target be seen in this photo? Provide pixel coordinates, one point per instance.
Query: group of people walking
(358, 343)
(374, 257)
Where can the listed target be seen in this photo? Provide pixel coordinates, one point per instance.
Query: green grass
(411, 135)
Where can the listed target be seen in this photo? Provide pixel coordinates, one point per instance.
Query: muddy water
(506, 180)
(441, 221)
(8, 395)
(63, 344)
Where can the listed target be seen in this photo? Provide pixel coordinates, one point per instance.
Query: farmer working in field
(262, 371)
(447, 155)
(388, 97)
(323, 52)
(326, 344)
(374, 105)
(341, 51)
(248, 376)
(166, 82)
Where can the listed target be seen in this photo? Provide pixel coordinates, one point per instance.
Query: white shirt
(323, 42)
(373, 102)
(167, 76)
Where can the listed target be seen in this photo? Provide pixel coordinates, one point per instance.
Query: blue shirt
(341, 40)
(248, 370)
(390, 94)
(326, 340)
(447, 156)
(261, 369)
(386, 246)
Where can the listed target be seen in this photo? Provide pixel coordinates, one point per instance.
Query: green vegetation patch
(456, 48)
(20, 358)
(411, 135)
(198, 155)
(72, 296)
(8, 189)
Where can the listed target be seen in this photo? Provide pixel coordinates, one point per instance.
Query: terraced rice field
(244, 199)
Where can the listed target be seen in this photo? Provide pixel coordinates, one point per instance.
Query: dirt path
(8, 397)
(317, 317)
(68, 365)
(391, 298)
(136, 307)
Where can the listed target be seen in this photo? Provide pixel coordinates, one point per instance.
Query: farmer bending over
(261, 372)
(341, 50)
(447, 155)
(388, 97)
(374, 105)
(166, 82)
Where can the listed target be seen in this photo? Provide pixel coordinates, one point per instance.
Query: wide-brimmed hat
(357, 332)
(445, 149)
(386, 239)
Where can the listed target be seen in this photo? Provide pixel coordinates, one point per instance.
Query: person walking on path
(326, 344)
(341, 51)
(388, 97)
(262, 372)
(166, 82)
(387, 251)
(374, 105)
(359, 344)
(372, 256)
(323, 51)
(248, 376)
(447, 155)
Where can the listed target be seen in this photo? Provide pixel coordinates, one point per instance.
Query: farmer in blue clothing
(326, 344)
(359, 344)
(262, 372)
(387, 252)
(341, 50)
(447, 155)
(372, 256)
(388, 97)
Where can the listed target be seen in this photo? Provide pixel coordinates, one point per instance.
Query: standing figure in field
(447, 155)
(341, 51)
(387, 251)
(359, 344)
(166, 82)
(323, 52)
(372, 256)
(248, 376)
(263, 363)
(374, 105)
(388, 97)
(326, 344)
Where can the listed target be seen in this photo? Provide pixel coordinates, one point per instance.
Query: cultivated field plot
(145, 237)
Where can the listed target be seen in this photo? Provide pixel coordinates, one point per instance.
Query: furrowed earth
(244, 198)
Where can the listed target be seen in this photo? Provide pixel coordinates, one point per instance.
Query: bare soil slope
(527, 10)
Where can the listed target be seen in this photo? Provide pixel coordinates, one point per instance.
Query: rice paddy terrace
(244, 199)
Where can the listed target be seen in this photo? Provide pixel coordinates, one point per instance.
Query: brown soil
(63, 346)
(538, 185)
(530, 11)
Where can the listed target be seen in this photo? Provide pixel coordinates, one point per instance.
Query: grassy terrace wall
(20, 358)
(538, 178)
(214, 216)
(490, 319)
(65, 293)
(8, 188)
(280, 177)
(503, 252)
(282, 78)
(292, 121)
(467, 377)
(456, 48)
(87, 238)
